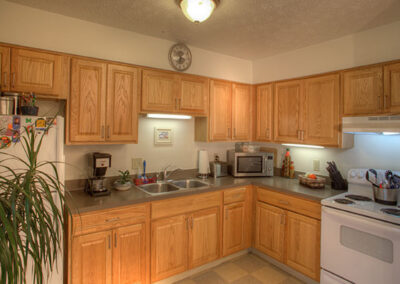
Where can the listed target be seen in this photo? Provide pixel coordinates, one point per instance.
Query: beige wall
(367, 47)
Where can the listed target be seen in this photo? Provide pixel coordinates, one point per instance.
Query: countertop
(80, 202)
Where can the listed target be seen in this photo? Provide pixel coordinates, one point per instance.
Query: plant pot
(29, 110)
(122, 186)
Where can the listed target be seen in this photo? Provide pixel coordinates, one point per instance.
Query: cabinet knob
(102, 131)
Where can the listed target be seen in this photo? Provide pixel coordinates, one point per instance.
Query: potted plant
(31, 213)
(29, 107)
(124, 181)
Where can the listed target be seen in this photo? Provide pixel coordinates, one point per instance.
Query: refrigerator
(12, 129)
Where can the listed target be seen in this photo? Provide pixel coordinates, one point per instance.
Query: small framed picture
(162, 136)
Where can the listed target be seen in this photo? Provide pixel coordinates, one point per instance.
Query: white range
(360, 239)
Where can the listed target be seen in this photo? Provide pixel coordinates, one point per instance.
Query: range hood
(385, 125)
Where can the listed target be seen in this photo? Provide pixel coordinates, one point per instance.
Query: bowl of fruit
(312, 180)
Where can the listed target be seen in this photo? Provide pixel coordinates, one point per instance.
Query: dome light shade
(198, 11)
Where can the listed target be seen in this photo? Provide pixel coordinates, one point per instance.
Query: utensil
(368, 177)
(387, 196)
(144, 170)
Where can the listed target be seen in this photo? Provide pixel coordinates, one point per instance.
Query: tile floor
(246, 269)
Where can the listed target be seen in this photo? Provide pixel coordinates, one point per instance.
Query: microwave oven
(244, 164)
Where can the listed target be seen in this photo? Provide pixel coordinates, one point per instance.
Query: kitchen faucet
(166, 174)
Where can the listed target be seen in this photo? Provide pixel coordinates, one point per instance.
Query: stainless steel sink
(159, 187)
(189, 183)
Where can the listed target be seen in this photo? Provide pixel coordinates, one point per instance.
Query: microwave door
(250, 164)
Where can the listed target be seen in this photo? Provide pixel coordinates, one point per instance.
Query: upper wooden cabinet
(194, 95)
(264, 113)
(288, 111)
(220, 118)
(363, 91)
(46, 74)
(392, 88)
(98, 114)
(321, 110)
(4, 68)
(241, 112)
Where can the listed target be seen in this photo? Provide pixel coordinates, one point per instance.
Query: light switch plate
(316, 165)
(137, 163)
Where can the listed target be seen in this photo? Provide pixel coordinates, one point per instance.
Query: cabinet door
(39, 72)
(122, 104)
(204, 237)
(270, 230)
(392, 88)
(169, 247)
(303, 244)
(194, 95)
(91, 259)
(4, 68)
(234, 228)
(363, 91)
(288, 111)
(241, 107)
(322, 121)
(220, 111)
(160, 91)
(87, 101)
(264, 113)
(129, 254)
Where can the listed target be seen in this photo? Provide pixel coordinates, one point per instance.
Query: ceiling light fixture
(304, 146)
(197, 11)
(168, 116)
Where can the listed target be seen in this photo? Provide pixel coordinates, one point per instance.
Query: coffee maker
(99, 162)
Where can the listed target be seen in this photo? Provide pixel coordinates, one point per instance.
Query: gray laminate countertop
(80, 202)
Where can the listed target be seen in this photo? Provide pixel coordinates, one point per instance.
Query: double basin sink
(172, 186)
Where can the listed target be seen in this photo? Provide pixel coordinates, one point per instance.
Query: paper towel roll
(204, 165)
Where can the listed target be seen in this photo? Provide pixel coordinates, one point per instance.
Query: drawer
(182, 205)
(289, 202)
(109, 218)
(235, 195)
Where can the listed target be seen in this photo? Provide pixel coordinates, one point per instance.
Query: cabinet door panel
(322, 122)
(4, 68)
(122, 112)
(303, 244)
(362, 91)
(234, 228)
(270, 230)
(264, 113)
(194, 95)
(87, 101)
(129, 254)
(392, 88)
(220, 111)
(39, 72)
(159, 91)
(169, 246)
(91, 256)
(288, 100)
(241, 106)
(204, 237)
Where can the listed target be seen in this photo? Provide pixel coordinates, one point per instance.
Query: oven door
(359, 249)
(250, 165)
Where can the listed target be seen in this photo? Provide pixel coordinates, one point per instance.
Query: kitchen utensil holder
(387, 196)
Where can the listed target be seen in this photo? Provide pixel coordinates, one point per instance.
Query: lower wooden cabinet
(234, 228)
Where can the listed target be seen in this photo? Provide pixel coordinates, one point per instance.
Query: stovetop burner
(391, 211)
(343, 201)
(358, 197)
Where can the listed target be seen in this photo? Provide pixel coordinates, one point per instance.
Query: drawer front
(286, 201)
(182, 205)
(234, 195)
(107, 219)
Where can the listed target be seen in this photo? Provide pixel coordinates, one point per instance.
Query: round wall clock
(180, 57)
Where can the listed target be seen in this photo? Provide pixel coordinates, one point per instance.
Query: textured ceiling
(247, 29)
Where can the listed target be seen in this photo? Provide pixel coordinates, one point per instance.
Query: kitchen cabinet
(303, 244)
(101, 112)
(363, 91)
(241, 112)
(4, 68)
(392, 88)
(288, 111)
(220, 111)
(92, 259)
(46, 74)
(194, 95)
(321, 111)
(264, 113)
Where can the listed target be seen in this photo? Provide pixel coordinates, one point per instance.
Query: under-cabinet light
(390, 133)
(168, 116)
(304, 146)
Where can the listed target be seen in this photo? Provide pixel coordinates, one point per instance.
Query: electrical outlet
(137, 163)
(316, 165)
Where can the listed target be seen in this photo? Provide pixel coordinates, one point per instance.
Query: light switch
(316, 165)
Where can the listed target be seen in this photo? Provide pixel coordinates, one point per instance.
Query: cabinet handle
(284, 202)
(187, 224)
(385, 101)
(112, 219)
(13, 80)
(298, 135)
(191, 223)
(109, 242)
(102, 131)
(283, 221)
(267, 132)
(5, 79)
(302, 135)
(115, 238)
(229, 132)
(108, 131)
(179, 104)
(234, 132)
